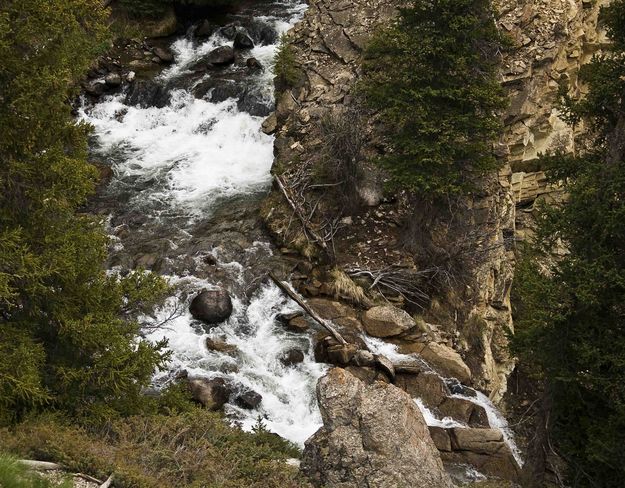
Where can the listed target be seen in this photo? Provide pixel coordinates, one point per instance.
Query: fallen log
(300, 301)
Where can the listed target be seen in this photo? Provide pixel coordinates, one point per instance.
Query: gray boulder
(372, 435)
(211, 306)
(292, 357)
(248, 399)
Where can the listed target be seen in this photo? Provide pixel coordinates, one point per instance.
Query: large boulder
(429, 387)
(220, 345)
(220, 56)
(464, 411)
(147, 93)
(211, 306)
(372, 435)
(211, 393)
(164, 54)
(292, 357)
(386, 321)
(248, 399)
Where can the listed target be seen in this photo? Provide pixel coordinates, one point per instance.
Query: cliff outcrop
(552, 39)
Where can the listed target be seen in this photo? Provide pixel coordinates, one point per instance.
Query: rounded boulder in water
(249, 399)
(242, 40)
(292, 357)
(221, 55)
(211, 306)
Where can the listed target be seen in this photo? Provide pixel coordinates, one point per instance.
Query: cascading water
(495, 419)
(188, 174)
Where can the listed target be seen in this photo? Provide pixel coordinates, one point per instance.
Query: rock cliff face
(373, 435)
(553, 39)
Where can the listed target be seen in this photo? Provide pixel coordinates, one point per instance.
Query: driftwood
(88, 478)
(40, 465)
(107, 483)
(300, 301)
(300, 215)
(48, 466)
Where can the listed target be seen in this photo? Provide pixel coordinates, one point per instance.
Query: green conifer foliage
(432, 76)
(571, 319)
(67, 338)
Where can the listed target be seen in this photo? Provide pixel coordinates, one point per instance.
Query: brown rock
(341, 354)
(298, 324)
(447, 361)
(164, 54)
(485, 449)
(429, 387)
(441, 439)
(291, 357)
(330, 310)
(385, 365)
(464, 411)
(367, 374)
(220, 345)
(386, 321)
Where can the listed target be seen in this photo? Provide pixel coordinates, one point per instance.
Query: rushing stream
(189, 170)
(188, 175)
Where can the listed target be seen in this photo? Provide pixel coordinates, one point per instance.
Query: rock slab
(386, 321)
(372, 435)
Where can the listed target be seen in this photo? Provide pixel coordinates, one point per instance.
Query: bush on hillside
(196, 448)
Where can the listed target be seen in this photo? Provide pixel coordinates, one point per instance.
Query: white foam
(205, 150)
(432, 420)
(289, 404)
(496, 421)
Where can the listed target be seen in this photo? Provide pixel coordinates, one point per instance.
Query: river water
(188, 176)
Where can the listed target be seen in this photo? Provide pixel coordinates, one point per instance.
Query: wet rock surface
(211, 306)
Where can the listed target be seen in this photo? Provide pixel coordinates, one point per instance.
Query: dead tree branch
(300, 214)
(300, 301)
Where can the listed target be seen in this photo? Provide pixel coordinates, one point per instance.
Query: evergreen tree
(432, 77)
(571, 317)
(67, 338)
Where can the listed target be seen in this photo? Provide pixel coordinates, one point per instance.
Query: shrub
(68, 338)
(192, 449)
(286, 70)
